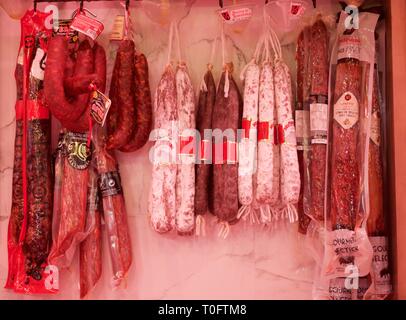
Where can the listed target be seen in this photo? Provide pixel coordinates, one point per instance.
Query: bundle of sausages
(171, 203)
(130, 117)
(268, 98)
(69, 100)
(29, 232)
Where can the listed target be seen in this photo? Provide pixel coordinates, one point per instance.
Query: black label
(77, 151)
(62, 28)
(110, 184)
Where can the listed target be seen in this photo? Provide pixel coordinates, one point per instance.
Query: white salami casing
(248, 142)
(185, 180)
(162, 202)
(289, 166)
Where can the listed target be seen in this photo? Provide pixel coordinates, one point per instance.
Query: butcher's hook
(81, 6)
(221, 3)
(35, 5)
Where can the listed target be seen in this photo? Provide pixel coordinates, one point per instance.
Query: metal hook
(127, 4)
(81, 6)
(221, 3)
(35, 5)
(314, 4)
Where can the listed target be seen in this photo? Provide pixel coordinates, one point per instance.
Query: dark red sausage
(125, 97)
(143, 105)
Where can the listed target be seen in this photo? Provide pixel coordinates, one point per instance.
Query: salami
(227, 114)
(345, 188)
(248, 145)
(91, 247)
(376, 218)
(207, 99)
(289, 167)
(162, 200)
(71, 225)
(124, 96)
(185, 179)
(29, 232)
(143, 105)
(318, 113)
(115, 214)
(267, 190)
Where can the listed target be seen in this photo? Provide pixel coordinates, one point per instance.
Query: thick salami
(162, 200)
(123, 96)
(143, 105)
(207, 99)
(185, 179)
(227, 114)
(345, 173)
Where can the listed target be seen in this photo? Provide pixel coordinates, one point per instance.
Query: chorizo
(143, 105)
(227, 114)
(203, 171)
(124, 97)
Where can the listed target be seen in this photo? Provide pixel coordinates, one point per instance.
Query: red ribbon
(186, 142)
(246, 126)
(263, 130)
(205, 146)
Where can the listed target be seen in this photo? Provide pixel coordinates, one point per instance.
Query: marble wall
(252, 263)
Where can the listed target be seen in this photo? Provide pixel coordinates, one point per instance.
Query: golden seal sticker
(77, 151)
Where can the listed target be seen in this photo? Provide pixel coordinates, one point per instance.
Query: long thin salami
(115, 214)
(91, 247)
(185, 179)
(207, 99)
(318, 115)
(248, 145)
(289, 167)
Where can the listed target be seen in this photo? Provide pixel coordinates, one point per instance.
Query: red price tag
(87, 25)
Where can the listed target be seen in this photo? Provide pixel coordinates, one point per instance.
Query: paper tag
(87, 25)
(61, 27)
(347, 252)
(302, 119)
(117, 32)
(375, 133)
(235, 15)
(318, 123)
(38, 64)
(99, 107)
(349, 46)
(380, 265)
(347, 288)
(346, 110)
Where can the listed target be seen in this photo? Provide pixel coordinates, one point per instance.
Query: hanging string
(178, 43)
(227, 71)
(170, 42)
